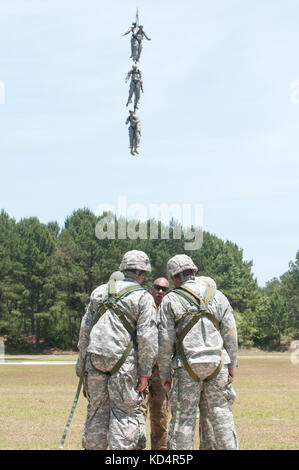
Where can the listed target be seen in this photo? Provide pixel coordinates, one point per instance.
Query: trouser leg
(131, 136)
(137, 138)
(145, 403)
(219, 395)
(98, 412)
(158, 406)
(139, 49)
(134, 135)
(134, 139)
(135, 46)
(131, 91)
(137, 93)
(206, 433)
(184, 399)
(127, 423)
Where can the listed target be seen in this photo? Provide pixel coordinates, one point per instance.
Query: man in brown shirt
(157, 397)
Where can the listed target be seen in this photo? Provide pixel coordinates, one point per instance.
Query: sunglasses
(163, 288)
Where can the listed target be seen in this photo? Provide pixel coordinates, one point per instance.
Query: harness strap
(217, 370)
(120, 362)
(126, 291)
(201, 304)
(122, 314)
(209, 295)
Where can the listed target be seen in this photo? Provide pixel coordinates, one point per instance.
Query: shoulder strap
(196, 300)
(209, 295)
(122, 314)
(125, 291)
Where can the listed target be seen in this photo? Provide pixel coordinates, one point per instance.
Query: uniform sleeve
(128, 75)
(86, 324)
(127, 32)
(228, 331)
(167, 338)
(138, 124)
(147, 335)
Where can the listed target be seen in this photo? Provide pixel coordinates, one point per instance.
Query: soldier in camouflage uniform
(138, 34)
(134, 43)
(157, 397)
(118, 354)
(202, 354)
(134, 131)
(136, 40)
(136, 85)
(206, 433)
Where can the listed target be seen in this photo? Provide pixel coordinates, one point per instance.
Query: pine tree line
(47, 274)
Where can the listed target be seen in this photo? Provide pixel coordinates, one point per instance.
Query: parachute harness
(202, 310)
(111, 304)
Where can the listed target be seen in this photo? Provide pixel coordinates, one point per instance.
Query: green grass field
(36, 401)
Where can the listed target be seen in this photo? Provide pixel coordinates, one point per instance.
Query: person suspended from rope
(132, 29)
(139, 34)
(134, 131)
(136, 85)
(136, 40)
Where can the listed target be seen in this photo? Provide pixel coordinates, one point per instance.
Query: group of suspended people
(136, 85)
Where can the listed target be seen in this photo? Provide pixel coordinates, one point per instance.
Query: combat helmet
(135, 259)
(180, 263)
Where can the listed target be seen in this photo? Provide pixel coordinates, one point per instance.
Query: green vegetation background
(47, 274)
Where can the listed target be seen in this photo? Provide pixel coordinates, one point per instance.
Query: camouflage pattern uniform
(134, 130)
(114, 418)
(134, 43)
(135, 85)
(138, 35)
(206, 432)
(203, 346)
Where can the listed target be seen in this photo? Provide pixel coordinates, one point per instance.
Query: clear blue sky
(219, 126)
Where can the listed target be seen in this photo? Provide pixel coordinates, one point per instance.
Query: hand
(142, 384)
(166, 384)
(84, 391)
(231, 371)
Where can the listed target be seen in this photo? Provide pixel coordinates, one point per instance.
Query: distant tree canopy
(47, 274)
